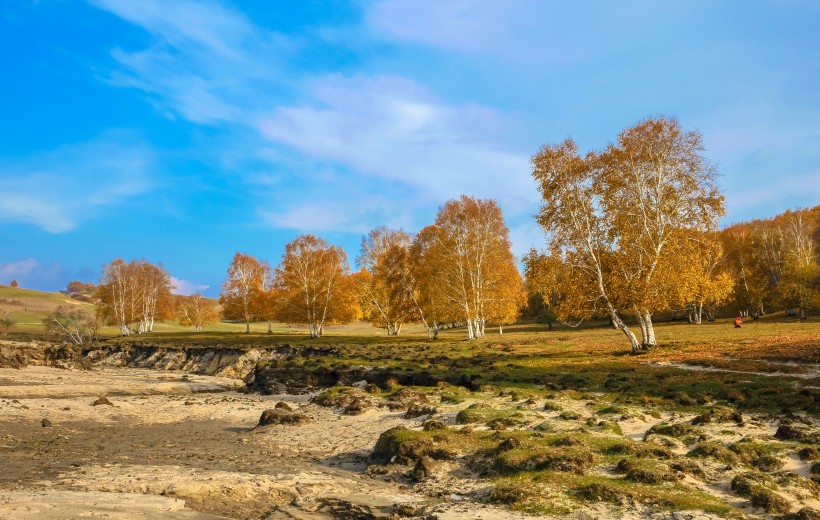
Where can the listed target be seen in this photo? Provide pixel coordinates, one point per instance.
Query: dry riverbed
(176, 445)
(167, 444)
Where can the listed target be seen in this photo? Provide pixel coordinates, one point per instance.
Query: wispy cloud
(186, 288)
(393, 128)
(17, 269)
(464, 25)
(57, 190)
(32, 274)
(208, 64)
(374, 127)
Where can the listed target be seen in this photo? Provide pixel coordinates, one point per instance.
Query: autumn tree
(703, 282)
(471, 268)
(74, 325)
(429, 294)
(6, 323)
(78, 287)
(801, 272)
(385, 284)
(314, 285)
(14, 284)
(243, 292)
(775, 262)
(620, 216)
(268, 305)
(544, 276)
(196, 311)
(750, 287)
(134, 295)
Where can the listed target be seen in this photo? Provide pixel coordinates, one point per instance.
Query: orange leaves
(619, 219)
(134, 295)
(314, 284)
(470, 269)
(196, 311)
(243, 293)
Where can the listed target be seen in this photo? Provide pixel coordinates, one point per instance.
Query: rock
(418, 409)
(807, 513)
(508, 444)
(424, 468)
(283, 406)
(277, 416)
(407, 510)
(406, 397)
(45, 423)
(102, 400)
(433, 425)
(808, 453)
(786, 432)
(372, 389)
(357, 407)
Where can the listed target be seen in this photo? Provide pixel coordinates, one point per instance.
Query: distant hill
(28, 307)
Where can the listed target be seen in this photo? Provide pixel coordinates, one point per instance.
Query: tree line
(459, 270)
(632, 232)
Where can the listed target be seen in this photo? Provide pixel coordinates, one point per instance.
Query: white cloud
(18, 269)
(32, 274)
(376, 128)
(58, 189)
(465, 25)
(186, 288)
(208, 64)
(393, 128)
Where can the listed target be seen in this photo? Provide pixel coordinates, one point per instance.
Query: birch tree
(314, 284)
(133, 296)
(429, 294)
(73, 325)
(386, 287)
(243, 291)
(196, 311)
(468, 250)
(621, 217)
(801, 276)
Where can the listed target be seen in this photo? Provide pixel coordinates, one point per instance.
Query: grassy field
(28, 307)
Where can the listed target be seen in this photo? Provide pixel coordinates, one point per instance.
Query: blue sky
(184, 131)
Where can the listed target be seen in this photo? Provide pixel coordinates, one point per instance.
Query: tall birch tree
(314, 285)
(243, 292)
(468, 248)
(385, 285)
(622, 217)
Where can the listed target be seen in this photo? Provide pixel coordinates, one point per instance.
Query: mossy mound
(481, 413)
(676, 430)
(401, 445)
(719, 415)
(714, 450)
(641, 449)
(340, 396)
(528, 458)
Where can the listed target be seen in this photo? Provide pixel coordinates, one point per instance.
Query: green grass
(527, 359)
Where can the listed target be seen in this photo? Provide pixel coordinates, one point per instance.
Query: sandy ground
(175, 445)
